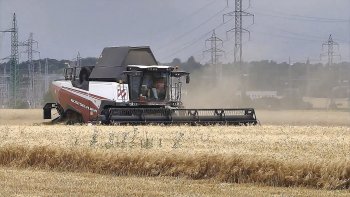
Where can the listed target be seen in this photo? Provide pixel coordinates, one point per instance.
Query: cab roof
(114, 60)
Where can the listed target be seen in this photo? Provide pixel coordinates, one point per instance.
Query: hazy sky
(282, 28)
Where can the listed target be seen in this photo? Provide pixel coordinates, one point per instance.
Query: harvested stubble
(315, 157)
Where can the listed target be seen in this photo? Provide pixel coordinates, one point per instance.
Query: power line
(191, 43)
(301, 37)
(321, 18)
(190, 31)
(284, 34)
(186, 17)
(292, 32)
(188, 45)
(302, 18)
(307, 17)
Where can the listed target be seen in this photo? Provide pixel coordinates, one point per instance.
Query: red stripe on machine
(86, 94)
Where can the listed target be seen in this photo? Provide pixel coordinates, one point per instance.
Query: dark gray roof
(113, 60)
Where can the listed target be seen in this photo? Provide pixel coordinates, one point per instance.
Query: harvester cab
(127, 86)
(155, 85)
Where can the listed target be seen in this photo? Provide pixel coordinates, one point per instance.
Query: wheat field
(270, 160)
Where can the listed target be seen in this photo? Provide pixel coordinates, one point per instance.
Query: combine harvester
(127, 86)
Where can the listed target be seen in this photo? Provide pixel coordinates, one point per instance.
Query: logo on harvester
(83, 106)
(122, 93)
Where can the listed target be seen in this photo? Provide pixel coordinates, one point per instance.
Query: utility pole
(330, 44)
(14, 59)
(215, 51)
(308, 77)
(40, 83)
(78, 64)
(46, 75)
(349, 39)
(4, 88)
(349, 60)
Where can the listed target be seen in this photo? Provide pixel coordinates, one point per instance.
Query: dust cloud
(205, 91)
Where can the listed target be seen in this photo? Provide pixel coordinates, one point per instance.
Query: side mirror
(188, 79)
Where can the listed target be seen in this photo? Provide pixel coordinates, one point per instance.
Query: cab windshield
(151, 86)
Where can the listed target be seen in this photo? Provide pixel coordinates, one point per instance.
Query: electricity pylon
(238, 29)
(31, 70)
(216, 52)
(14, 59)
(330, 53)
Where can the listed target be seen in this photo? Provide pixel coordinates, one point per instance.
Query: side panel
(110, 90)
(81, 101)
